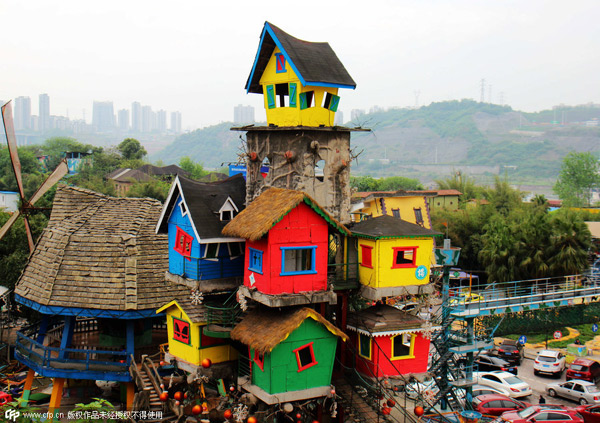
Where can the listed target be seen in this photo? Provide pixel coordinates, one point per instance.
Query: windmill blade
(9, 223)
(11, 139)
(61, 170)
(29, 234)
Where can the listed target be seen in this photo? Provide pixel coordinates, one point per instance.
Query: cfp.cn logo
(12, 414)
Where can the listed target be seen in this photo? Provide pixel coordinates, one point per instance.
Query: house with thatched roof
(394, 256)
(193, 216)
(287, 248)
(290, 354)
(389, 341)
(96, 277)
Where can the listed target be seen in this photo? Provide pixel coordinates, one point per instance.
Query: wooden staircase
(147, 398)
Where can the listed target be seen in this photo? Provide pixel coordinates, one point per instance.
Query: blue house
(193, 216)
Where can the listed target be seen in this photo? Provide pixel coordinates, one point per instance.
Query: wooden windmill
(26, 206)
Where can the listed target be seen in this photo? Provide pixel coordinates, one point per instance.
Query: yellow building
(410, 206)
(394, 256)
(444, 199)
(298, 79)
(190, 340)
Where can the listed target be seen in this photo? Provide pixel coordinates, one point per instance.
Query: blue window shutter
(303, 104)
(335, 101)
(292, 94)
(271, 96)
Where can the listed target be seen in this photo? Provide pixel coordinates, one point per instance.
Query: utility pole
(482, 98)
(490, 93)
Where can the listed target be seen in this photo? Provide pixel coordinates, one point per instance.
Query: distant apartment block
(339, 118)
(175, 122)
(243, 114)
(22, 113)
(44, 113)
(103, 116)
(147, 119)
(356, 114)
(136, 117)
(161, 121)
(123, 119)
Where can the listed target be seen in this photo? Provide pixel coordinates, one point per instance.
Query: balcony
(205, 269)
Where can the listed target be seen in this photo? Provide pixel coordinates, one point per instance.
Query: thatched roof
(268, 209)
(390, 227)
(265, 329)
(99, 252)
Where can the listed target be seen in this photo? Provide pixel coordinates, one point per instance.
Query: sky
(195, 56)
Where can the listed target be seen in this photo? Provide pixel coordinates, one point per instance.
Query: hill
(433, 141)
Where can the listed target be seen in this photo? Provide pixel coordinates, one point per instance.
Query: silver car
(582, 391)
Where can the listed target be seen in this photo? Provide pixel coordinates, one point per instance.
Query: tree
(570, 242)
(196, 170)
(461, 183)
(155, 189)
(55, 148)
(131, 149)
(579, 174)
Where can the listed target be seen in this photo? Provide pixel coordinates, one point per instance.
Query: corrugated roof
(389, 226)
(99, 252)
(314, 62)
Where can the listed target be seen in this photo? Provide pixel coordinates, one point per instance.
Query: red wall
(381, 356)
(300, 227)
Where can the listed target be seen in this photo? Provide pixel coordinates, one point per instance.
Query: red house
(287, 248)
(389, 342)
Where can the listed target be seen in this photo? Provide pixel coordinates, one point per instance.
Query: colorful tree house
(287, 248)
(389, 341)
(193, 216)
(290, 354)
(97, 277)
(394, 256)
(410, 206)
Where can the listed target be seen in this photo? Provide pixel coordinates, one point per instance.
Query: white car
(486, 390)
(550, 362)
(426, 389)
(582, 391)
(505, 381)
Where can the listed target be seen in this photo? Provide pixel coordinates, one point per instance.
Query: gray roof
(383, 318)
(389, 226)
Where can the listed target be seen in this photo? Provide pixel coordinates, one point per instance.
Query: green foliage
(95, 411)
(131, 148)
(579, 174)
(196, 170)
(393, 183)
(56, 147)
(156, 189)
(29, 166)
(464, 184)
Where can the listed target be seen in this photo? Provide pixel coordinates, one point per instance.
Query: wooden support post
(130, 337)
(130, 394)
(27, 386)
(67, 336)
(56, 396)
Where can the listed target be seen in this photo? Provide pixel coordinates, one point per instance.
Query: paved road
(538, 384)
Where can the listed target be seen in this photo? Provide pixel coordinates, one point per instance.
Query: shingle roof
(268, 209)
(313, 62)
(204, 200)
(264, 329)
(389, 226)
(127, 175)
(165, 170)
(99, 252)
(383, 318)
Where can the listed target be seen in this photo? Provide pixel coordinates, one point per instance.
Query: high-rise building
(243, 114)
(175, 122)
(147, 119)
(161, 121)
(339, 118)
(44, 113)
(123, 119)
(356, 113)
(103, 116)
(22, 113)
(136, 117)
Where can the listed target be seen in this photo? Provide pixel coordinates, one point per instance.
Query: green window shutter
(271, 96)
(335, 101)
(292, 91)
(303, 104)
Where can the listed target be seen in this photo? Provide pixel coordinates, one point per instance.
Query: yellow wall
(383, 275)
(406, 205)
(293, 116)
(449, 202)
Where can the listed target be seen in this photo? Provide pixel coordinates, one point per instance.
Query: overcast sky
(195, 56)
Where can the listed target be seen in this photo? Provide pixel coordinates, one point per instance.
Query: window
(282, 92)
(331, 102)
(211, 251)
(236, 249)
(403, 345)
(226, 215)
(259, 359)
(255, 262)
(305, 356)
(270, 96)
(183, 208)
(364, 346)
(181, 331)
(366, 259)
(419, 216)
(298, 260)
(280, 63)
(404, 257)
(396, 213)
(183, 243)
(307, 100)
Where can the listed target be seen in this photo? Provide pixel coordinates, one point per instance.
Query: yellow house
(394, 256)
(410, 206)
(444, 199)
(298, 79)
(189, 341)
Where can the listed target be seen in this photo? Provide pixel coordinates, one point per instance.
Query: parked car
(510, 350)
(584, 369)
(582, 391)
(542, 413)
(590, 413)
(466, 298)
(496, 404)
(487, 363)
(424, 389)
(486, 390)
(549, 362)
(514, 386)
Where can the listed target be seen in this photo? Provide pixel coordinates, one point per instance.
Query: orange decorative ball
(252, 419)
(178, 395)
(196, 409)
(231, 388)
(386, 411)
(185, 395)
(391, 402)
(164, 396)
(227, 414)
(298, 416)
(206, 363)
(419, 411)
